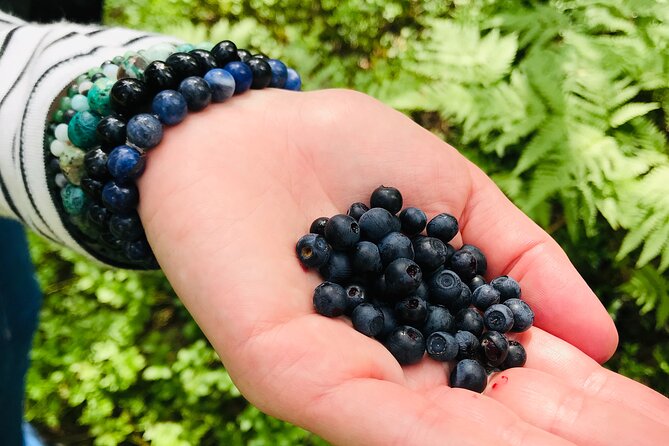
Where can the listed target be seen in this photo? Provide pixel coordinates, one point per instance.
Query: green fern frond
(649, 289)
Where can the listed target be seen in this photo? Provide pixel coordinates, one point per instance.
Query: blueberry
(476, 282)
(481, 262)
(422, 291)
(443, 226)
(378, 288)
(367, 319)
(196, 92)
(387, 198)
(357, 209)
(365, 258)
(337, 269)
(508, 288)
(498, 317)
(318, 226)
(330, 299)
(342, 232)
(413, 221)
(312, 250)
(515, 357)
(469, 374)
(464, 300)
(402, 276)
(429, 252)
(468, 344)
(468, 319)
(412, 310)
(406, 344)
(485, 296)
(445, 288)
(355, 295)
(375, 224)
(464, 264)
(450, 250)
(495, 347)
(395, 246)
(441, 346)
(390, 323)
(438, 319)
(523, 316)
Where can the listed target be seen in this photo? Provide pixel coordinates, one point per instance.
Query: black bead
(98, 215)
(97, 76)
(204, 59)
(225, 52)
(53, 166)
(159, 76)
(92, 188)
(95, 163)
(68, 115)
(261, 56)
(183, 65)
(128, 96)
(126, 227)
(111, 132)
(244, 55)
(138, 250)
(262, 72)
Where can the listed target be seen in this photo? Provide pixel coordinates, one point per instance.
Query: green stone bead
(133, 67)
(117, 60)
(207, 46)
(65, 103)
(72, 164)
(58, 116)
(72, 90)
(81, 78)
(98, 96)
(74, 199)
(93, 71)
(81, 129)
(160, 51)
(184, 48)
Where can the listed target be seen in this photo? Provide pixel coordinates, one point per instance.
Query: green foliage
(565, 103)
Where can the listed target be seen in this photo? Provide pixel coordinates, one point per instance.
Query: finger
(549, 354)
(554, 406)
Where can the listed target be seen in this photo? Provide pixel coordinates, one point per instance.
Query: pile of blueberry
(415, 292)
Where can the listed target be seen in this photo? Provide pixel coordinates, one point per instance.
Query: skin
(230, 190)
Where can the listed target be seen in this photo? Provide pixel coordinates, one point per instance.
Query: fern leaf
(654, 244)
(630, 111)
(635, 236)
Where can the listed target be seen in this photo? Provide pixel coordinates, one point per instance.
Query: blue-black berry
(523, 316)
(516, 356)
(438, 319)
(367, 319)
(445, 288)
(388, 198)
(402, 276)
(469, 374)
(375, 224)
(356, 296)
(406, 344)
(476, 282)
(464, 264)
(468, 344)
(481, 261)
(443, 226)
(429, 252)
(366, 258)
(508, 288)
(318, 226)
(357, 209)
(442, 346)
(498, 318)
(395, 246)
(342, 232)
(495, 347)
(312, 250)
(485, 296)
(468, 319)
(411, 310)
(413, 221)
(338, 268)
(330, 299)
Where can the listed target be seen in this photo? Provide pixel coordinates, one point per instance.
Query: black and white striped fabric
(36, 63)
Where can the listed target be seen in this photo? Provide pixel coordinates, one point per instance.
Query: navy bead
(145, 131)
(95, 163)
(242, 74)
(204, 59)
(293, 81)
(128, 96)
(120, 198)
(138, 250)
(125, 163)
(159, 76)
(244, 55)
(126, 227)
(221, 83)
(111, 131)
(279, 73)
(196, 91)
(170, 107)
(225, 52)
(262, 73)
(183, 65)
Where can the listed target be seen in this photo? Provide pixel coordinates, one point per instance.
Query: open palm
(228, 193)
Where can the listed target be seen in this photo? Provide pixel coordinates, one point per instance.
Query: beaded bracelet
(109, 117)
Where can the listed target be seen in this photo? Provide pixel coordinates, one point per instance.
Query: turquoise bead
(184, 48)
(160, 51)
(80, 103)
(74, 199)
(98, 96)
(81, 129)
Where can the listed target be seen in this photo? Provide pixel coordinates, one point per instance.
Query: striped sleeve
(37, 62)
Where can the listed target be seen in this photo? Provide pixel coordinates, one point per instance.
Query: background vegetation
(564, 103)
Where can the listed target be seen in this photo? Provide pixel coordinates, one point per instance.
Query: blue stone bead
(242, 74)
(221, 83)
(170, 106)
(138, 250)
(144, 131)
(125, 163)
(120, 198)
(196, 91)
(293, 81)
(126, 227)
(279, 73)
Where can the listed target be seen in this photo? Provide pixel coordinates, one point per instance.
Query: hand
(228, 193)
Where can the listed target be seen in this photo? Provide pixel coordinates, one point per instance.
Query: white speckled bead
(57, 148)
(61, 133)
(80, 102)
